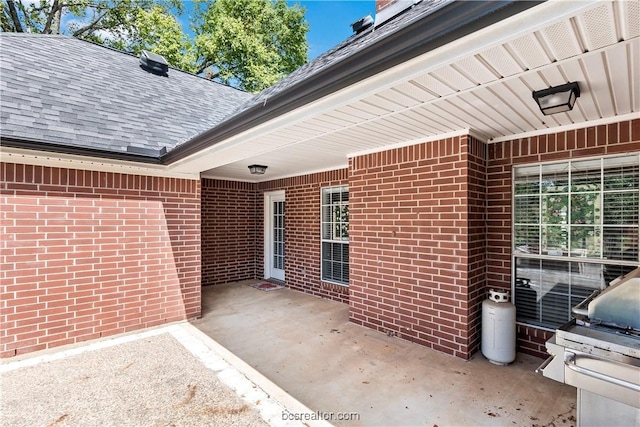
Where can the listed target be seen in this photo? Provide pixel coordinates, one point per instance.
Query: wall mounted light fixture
(557, 99)
(257, 169)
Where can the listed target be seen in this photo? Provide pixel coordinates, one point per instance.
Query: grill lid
(619, 304)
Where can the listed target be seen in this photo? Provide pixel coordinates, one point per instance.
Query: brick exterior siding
(89, 254)
(430, 231)
(302, 231)
(229, 232)
(615, 138)
(417, 243)
(233, 247)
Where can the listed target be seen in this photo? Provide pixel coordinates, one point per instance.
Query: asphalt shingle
(71, 92)
(85, 95)
(353, 44)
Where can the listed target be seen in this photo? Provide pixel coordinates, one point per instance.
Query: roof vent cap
(154, 63)
(362, 24)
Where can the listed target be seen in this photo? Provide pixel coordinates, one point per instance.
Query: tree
(247, 43)
(161, 33)
(252, 42)
(86, 17)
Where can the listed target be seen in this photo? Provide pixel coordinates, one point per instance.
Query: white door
(274, 235)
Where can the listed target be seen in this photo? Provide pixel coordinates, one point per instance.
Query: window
(335, 234)
(575, 230)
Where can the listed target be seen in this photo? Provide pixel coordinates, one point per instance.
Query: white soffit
(481, 82)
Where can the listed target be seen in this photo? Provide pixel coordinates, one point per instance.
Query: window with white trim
(335, 234)
(575, 230)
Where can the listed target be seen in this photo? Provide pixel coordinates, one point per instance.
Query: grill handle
(544, 365)
(570, 362)
(581, 310)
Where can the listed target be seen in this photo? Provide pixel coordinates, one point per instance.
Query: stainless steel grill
(598, 352)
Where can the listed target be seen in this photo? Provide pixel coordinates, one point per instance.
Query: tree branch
(14, 16)
(203, 67)
(50, 16)
(92, 26)
(28, 21)
(66, 5)
(39, 9)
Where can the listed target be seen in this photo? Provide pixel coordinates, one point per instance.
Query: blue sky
(330, 21)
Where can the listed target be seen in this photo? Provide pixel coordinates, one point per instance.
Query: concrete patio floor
(172, 375)
(307, 346)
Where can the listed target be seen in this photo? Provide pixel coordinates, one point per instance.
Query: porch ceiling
(481, 83)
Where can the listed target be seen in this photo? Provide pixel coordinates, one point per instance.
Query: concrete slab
(168, 375)
(307, 346)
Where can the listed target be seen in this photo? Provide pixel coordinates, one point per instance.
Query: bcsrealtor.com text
(320, 416)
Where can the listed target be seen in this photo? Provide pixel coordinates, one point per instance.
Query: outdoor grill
(598, 352)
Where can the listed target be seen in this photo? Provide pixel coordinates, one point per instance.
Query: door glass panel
(278, 235)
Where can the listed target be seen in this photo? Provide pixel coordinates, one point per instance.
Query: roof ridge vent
(154, 63)
(362, 24)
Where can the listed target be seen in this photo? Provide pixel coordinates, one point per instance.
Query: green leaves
(249, 44)
(252, 43)
(161, 33)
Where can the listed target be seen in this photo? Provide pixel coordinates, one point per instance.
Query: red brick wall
(233, 248)
(417, 244)
(229, 232)
(430, 231)
(477, 232)
(616, 138)
(302, 231)
(89, 254)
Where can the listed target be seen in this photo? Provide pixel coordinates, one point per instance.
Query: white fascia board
(523, 23)
(72, 161)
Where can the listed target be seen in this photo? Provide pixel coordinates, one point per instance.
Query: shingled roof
(65, 91)
(347, 48)
(343, 50)
(60, 90)
(420, 28)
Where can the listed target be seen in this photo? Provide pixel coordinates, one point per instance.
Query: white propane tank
(499, 328)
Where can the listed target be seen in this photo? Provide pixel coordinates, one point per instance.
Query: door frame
(269, 198)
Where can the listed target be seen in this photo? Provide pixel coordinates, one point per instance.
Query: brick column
(417, 242)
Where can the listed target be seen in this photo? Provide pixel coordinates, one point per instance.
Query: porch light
(257, 169)
(557, 99)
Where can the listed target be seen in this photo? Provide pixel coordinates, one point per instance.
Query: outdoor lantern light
(557, 99)
(257, 169)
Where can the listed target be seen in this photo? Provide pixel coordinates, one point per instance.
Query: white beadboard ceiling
(482, 85)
